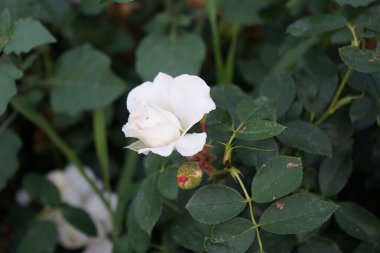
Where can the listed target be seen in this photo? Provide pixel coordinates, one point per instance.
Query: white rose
(163, 111)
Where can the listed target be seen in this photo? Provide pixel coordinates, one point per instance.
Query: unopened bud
(189, 175)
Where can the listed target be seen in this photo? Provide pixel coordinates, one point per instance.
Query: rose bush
(163, 111)
(285, 157)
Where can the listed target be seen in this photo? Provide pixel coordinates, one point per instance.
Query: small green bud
(189, 175)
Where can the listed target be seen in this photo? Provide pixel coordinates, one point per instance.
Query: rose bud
(189, 175)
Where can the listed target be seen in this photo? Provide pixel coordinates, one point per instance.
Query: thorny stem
(235, 174)
(333, 105)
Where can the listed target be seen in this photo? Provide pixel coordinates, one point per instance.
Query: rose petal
(190, 144)
(156, 92)
(162, 151)
(190, 98)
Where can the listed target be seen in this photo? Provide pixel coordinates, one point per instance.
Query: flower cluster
(163, 111)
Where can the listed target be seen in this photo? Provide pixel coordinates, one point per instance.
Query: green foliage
(171, 55)
(243, 12)
(8, 74)
(355, 3)
(10, 144)
(276, 178)
(306, 137)
(363, 60)
(334, 173)
(138, 238)
(167, 183)
(148, 203)
(281, 88)
(40, 237)
(213, 204)
(319, 245)
(259, 129)
(358, 222)
(27, 34)
(235, 235)
(189, 233)
(41, 189)
(286, 217)
(255, 109)
(317, 24)
(80, 219)
(295, 130)
(83, 75)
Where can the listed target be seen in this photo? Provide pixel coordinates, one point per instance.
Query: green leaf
(256, 153)
(83, 75)
(27, 34)
(363, 60)
(219, 119)
(370, 19)
(297, 213)
(10, 144)
(213, 204)
(123, 244)
(334, 174)
(5, 28)
(167, 183)
(115, 1)
(273, 243)
(316, 81)
(259, 130)
(275, 179)
(306, 137)
(319, 245)
(139, 239)
(260, 108)
(358, 222)
(317, 24)
(227, 97)
(80, 219)
(148, 203)
(189, 233)
(174, 56)
(20, 8)
(41, 189)
(292, 55)
(361, 108)
(234, 236)
(243, 12)
(281, 88)
(354, 3)
(152, 163)
(41, 237)
(8, 74)
(368, 247)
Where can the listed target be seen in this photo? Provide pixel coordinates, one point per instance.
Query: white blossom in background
(163, 111)
(75, 191)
